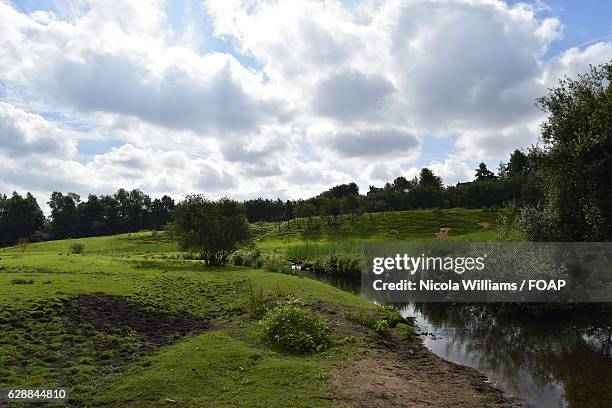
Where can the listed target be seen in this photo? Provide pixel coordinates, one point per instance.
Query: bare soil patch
(401, 374)
(113, 313)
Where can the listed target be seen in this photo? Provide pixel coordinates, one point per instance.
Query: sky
(276, 98)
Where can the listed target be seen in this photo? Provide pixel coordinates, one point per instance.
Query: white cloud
(452, 170)
(371, 143)
(102, 63)
(23, 133)
(301, 95)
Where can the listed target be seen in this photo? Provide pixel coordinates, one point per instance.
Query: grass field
(123, 325)
(296, 241)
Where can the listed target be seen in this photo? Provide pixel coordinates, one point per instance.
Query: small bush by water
(295, 328)
(389, 318)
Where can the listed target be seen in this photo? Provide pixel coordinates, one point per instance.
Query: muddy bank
(395, 373)
(412, 376)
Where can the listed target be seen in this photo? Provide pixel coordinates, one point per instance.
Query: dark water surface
(548, 362)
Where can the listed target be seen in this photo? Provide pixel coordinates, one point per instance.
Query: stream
(546, 362)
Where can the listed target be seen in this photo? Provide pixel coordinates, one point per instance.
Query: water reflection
(547, 362)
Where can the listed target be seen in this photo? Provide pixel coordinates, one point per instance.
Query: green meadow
(131, 322)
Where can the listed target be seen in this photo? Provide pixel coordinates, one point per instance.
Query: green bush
(248, 258)
(238, 259)
(381, 327)
(315, 266)
(77, 248)
(295, 328)
(382, 323)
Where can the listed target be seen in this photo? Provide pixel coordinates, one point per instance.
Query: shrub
(539, 225)
(295, 328)
(394, 317)
(248, 258)
(214, 229)
(77, 248)
(315, 266)
(391, 318)
(238, 259)
(381, 327)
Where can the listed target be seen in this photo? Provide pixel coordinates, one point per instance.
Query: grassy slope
(228, 366)
(348, 235)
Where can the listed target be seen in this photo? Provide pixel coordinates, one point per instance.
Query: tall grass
(315, 250)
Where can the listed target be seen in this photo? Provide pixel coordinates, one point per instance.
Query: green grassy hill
(122, 326)
(398, 225)
(83, 320)
(296, 240)
(137, 243)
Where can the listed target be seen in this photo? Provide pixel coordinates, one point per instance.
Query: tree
(351, 206)
(483, 173)
(306, 209)
(161, 212)
(212, 228)
(341, 191)
(64, 214)
(429, 181)
(23, 244)
(332, 207)
(577, 155)
(404, 185)
(20, 217)
(517, 166)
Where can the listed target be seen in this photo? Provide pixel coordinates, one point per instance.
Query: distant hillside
(397, 225)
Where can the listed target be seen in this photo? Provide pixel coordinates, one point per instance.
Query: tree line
(130, 211)
(72, 217)
(516, 182)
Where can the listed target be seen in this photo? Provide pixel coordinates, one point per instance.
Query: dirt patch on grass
(113, 313)
(396, 374)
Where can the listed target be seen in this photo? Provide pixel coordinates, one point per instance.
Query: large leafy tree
(64, 219)
(577, 151)
(20, 217)
(212, 228)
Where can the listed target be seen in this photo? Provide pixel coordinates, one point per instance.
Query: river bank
(390, 372)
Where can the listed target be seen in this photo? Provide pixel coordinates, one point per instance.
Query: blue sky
(268, 98)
